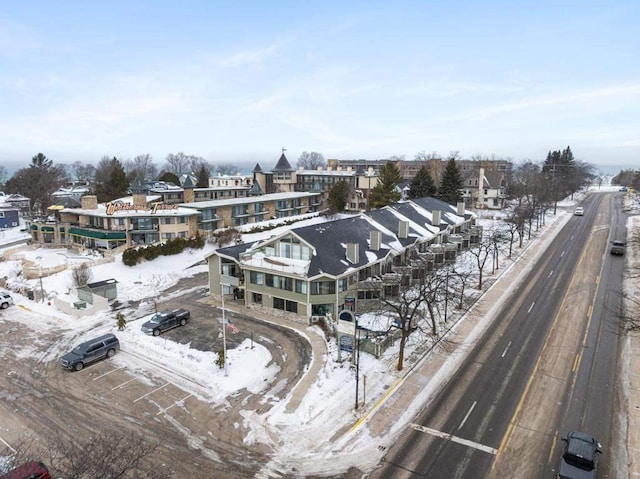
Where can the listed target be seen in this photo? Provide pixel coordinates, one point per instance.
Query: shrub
(132, 256)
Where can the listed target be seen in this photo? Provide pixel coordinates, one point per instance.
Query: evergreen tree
(422, 184)
(111, 180)
(385, 193)
(339, 197)
(37, 182)
(202, 177)
(452, 184)
(169, 177)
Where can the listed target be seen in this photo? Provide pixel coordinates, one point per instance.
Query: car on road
(5, 300)
(90, 351)
(164, 320)
(618, 247)
(580, 456)
(579, 211)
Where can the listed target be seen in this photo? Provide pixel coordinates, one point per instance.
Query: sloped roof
(330, 241)
(449, 212)
(283, 164)
(257, 168)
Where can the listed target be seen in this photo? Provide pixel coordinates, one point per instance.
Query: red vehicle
(28, 470)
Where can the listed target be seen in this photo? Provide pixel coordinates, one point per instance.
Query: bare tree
(226, 169)
(105, 454)
(177, 163)
(3, 174)
(83, 171)
(140, 169)
(311, 160)
(81, 275)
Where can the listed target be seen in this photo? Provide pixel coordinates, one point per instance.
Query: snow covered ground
(305, 436)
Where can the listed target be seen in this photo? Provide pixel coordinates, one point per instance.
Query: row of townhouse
(330, 267)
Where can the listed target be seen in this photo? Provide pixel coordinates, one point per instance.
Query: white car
(579, 211)
(5, 300)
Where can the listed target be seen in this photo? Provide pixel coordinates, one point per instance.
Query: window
(167, 220)
(256, 277)
(342, 284)
(323, 287)
(301, 286)
(168, 236)
(257, 298)
(278, 303)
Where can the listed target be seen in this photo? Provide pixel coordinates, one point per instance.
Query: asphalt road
(545, 366)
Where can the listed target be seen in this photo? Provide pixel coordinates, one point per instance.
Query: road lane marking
(531, 307)
(504, 353)
(468, 414)
(456, 439)
(550, 274)
(151, 392)
(175, 402)
(123, 384)
(108, 372)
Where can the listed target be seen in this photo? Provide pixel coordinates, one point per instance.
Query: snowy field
(305, 436)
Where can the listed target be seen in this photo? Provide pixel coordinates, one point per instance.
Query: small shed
(107, 289)
(9, 217)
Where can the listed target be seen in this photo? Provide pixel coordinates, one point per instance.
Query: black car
(90, 351)
(580, 456)
(164, 320)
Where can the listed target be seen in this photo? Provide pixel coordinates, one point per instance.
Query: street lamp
(229, 281)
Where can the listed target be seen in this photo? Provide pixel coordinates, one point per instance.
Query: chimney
(89, 202)
(139, 199)
(353, 253)
(435, 217)
(403, 229)
(375, 238)
(461, 208)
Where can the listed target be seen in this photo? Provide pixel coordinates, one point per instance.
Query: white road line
(468, 414)
(7, 444)
(459, 440)
(504, 353)
(108, 372)
(176, 402)
(151, 392)
(123, 384)
(550, 274)
(530, 307)
(562, 254)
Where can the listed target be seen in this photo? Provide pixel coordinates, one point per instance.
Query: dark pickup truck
(164, 320)
(580, 456)
(618, 247)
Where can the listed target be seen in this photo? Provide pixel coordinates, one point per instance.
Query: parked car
(90, 351)
(28, 470)
(618, 247)
(164, 320)
(5, 300)
(579, 211)
(580, 456)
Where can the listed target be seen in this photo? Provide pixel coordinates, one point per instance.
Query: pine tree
(385, 193)
(422, 184)
(451, 184)
(203, 177)
(111, 180)
(338, 197)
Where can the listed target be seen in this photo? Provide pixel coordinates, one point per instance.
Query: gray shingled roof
(283, 164)
(330, 241)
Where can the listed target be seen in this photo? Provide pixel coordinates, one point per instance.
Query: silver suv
(5, 300)
(90, 351)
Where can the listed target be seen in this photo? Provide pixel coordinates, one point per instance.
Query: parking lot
(130, 392)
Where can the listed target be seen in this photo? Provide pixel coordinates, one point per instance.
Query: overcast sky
(238, 81)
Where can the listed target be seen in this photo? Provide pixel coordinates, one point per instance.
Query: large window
(323, 287)
(256, 278)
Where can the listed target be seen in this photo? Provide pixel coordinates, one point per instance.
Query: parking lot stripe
(151, 392)
(123, 384)
(7, 444)
(176, 402)
(108, 372)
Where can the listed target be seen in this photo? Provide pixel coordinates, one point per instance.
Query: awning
(103, 235)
